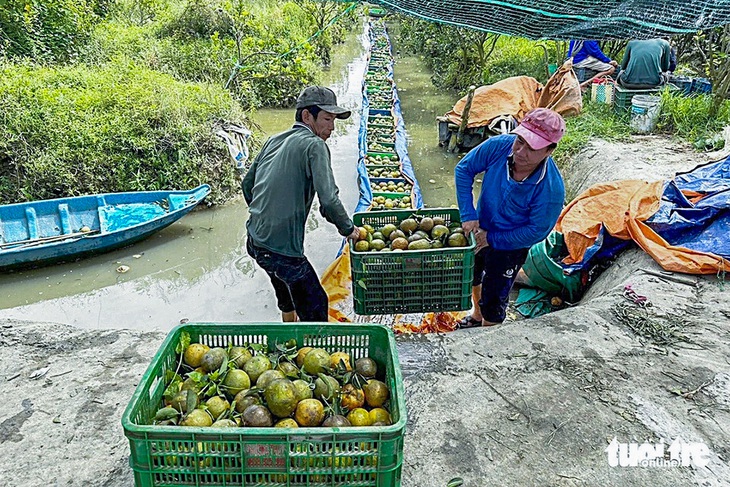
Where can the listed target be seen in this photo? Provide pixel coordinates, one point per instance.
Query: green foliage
(75, 130)
(47, 30)
(141, 12)
(138, 113)
(204, 40)
(320, 14)
(692, 118)
(444, 49)
(200, 19)
(460, 57)
(515, 56)
(597, 120)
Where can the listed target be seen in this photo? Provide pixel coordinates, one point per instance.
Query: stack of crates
(174, 456)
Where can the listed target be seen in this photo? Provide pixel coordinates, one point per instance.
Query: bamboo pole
(464, 118)
(42, 240)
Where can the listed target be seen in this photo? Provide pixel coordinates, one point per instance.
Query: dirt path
(533, 402)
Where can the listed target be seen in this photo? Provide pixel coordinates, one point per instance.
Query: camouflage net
(571, 19)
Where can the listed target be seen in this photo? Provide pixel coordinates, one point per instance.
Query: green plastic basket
(622, 98)
(412, 281)
(173, 456)
(381, 154)
(391, 194)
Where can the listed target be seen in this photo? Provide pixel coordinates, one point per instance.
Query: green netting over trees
(572, 19)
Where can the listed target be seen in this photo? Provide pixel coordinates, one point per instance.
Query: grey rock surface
(530, 402)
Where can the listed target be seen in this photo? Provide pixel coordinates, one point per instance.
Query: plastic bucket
(644, 113)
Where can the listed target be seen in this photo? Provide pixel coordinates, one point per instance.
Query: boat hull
(51, 231)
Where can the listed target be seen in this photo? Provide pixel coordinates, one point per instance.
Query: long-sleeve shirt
(585, 49)
(280, 187)
(644, 61)
(516, 215)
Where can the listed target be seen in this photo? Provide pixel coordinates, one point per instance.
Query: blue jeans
(295, 283)
(496, 271)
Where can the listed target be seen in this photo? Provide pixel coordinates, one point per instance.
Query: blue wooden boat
(47, 231)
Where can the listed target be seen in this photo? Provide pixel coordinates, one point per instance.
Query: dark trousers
(633, 86)
(295, 283)
(496, 271)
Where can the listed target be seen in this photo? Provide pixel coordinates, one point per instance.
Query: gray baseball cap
(321, 97)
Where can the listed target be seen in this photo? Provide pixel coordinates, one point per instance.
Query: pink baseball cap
(541, 127)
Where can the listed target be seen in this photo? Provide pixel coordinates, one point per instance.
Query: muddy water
(421, 103)
(197, 269)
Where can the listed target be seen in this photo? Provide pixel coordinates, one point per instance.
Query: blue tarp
(401, 142)
(704, 225)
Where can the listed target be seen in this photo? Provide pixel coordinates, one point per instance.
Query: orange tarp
(622, 207)
(518, 95)
(512, 96)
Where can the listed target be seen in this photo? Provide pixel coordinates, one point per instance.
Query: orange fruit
(286, 423)
(379, 415)
(359, 417)
(336, 357)
(309, 412)
(300, 356)
(352, 397)
(366, 367)
(316, 361)
(193, 355)
(376, 393)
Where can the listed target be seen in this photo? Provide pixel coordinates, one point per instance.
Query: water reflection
(196, 269)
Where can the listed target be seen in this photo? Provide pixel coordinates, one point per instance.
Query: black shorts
(495, 271)
(295, 282)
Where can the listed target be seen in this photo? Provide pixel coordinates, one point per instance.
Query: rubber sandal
(469, 322)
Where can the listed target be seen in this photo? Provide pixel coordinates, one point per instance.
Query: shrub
(691, 119)
(49, 30)
(514, 56)
(71, 131)
(200, 19)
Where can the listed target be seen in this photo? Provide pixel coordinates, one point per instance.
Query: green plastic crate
(391, 196)
(622, 98)
(377, 121)
(383, 154)
(173, 456)
(412, 281)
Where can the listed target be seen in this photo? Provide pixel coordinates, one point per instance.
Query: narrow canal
(197, 269)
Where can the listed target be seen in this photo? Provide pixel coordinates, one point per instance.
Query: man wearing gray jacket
(279, 189)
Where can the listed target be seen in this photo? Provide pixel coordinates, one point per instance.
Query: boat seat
(32, 220)
(100, 204)
(64, 216)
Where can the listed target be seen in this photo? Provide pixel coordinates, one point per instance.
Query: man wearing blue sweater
(587, 54)
(521, 198)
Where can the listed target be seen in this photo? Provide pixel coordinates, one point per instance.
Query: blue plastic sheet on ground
(704, 225)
